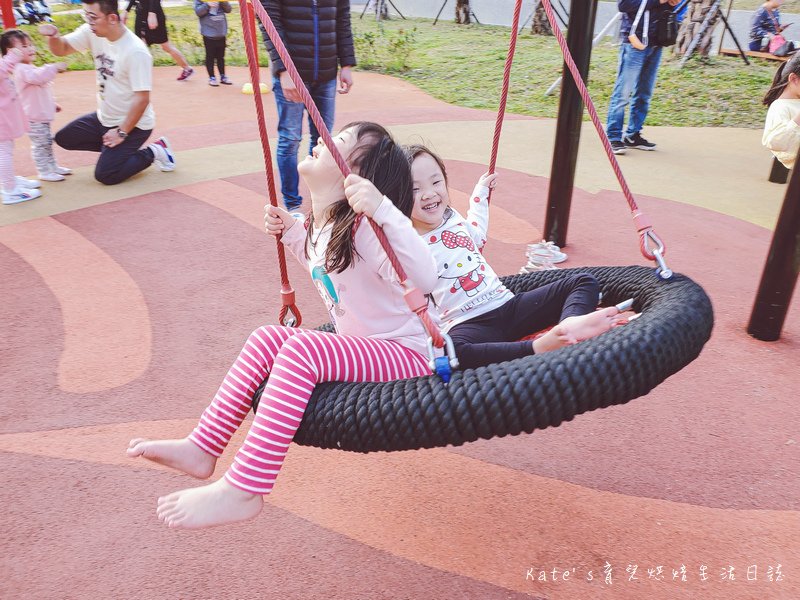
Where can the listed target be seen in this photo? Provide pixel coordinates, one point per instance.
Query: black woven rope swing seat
(529, 393)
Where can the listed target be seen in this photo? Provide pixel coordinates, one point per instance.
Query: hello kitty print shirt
(467, 285)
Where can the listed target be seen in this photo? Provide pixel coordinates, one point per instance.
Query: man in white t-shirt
(124, 118)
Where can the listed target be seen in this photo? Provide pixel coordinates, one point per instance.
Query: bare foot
(182, 455)
(218, 503)
(578, 329)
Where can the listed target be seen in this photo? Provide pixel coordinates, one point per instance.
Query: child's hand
(61, 67)
(48, 30)
(488, 180)
(152, 20)
(362, 195)
(277, 220)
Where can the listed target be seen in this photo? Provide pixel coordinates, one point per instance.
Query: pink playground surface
(123, 307)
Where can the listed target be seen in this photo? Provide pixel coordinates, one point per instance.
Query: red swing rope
(501, 111)
(415, 299)
(289, 314)
(642, 224)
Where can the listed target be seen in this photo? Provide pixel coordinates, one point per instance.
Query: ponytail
(781, 79)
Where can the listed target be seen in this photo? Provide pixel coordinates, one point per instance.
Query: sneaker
(212, 81)
(63, 170)
(162, 154)
(618, 146)
(185, 74)
(545, 250)
(52, 177)
(27, 184)
(638, 142)
(225, 81)
(20, 195)
(532, 267)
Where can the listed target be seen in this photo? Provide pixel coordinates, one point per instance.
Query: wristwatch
(121, 133)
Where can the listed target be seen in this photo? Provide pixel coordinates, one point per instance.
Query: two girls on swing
(405, 192)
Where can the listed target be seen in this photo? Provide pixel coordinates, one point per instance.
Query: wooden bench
(754, 54)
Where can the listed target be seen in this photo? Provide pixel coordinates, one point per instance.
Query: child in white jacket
(782, 127)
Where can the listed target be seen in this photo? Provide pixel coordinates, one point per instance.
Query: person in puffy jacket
(318, 37)
(639, 59)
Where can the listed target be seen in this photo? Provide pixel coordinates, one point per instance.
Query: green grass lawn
(464, 65)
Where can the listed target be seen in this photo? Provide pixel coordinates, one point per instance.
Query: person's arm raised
(57, 45)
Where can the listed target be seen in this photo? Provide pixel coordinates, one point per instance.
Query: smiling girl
(377, 339)
(483, 318)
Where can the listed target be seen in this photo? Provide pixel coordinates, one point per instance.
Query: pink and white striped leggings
(296, 360)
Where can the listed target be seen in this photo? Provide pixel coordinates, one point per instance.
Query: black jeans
(115, 165)
(491, 337)
(215, 51)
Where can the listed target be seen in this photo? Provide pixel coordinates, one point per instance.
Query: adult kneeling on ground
(124, 118)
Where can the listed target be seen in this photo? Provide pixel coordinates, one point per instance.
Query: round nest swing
(529, 393)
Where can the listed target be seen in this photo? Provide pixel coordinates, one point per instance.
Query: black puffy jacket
(316, 33)
(629, 8)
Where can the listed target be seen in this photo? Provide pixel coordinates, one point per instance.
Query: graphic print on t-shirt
(464, 265)
(105, 69)
(327, 290)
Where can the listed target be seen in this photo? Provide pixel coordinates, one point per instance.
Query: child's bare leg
(218, 503)
(182, 455)
(578, 329)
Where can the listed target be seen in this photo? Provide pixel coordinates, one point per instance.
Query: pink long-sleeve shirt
(13, 123)
(366, 299)
(34, 85)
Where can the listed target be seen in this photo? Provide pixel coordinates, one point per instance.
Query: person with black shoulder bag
(647, 26)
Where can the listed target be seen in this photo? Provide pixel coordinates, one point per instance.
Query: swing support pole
(7, 12)
(568, 127)
(781, 269)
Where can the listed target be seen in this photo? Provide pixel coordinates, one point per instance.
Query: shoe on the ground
(20, 194)
(28, 184)
(618, 146)
(225, 81)
(185, 74)
(212, 81)
(545, 251)
(51, 176)
(162, 154)
(533, 267)
(63, 170)
(637, 141)
(292, 206)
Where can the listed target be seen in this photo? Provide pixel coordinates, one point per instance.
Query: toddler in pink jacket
(34, 85)
(13, 124)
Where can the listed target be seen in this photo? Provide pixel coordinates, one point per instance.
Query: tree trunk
(692, 21)
(541, 26)
(462, 12)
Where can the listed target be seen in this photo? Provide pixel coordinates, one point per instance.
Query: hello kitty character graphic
(463, 265)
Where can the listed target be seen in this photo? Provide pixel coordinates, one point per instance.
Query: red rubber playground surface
(123, 307)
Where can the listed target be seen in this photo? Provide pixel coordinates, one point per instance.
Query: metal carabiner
(443, 366)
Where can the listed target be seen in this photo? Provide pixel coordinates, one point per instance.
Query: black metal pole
(568, 127)
(436, 20)
(781, 270)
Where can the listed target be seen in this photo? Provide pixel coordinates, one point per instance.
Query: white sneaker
(28, 184)
(532, 267)
(19, 194)
(162, 153)
(63, 170)
(545, 251)
(52, 177)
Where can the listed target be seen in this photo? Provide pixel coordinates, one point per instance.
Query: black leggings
(116, 164)
(491, 337)
(215, 51)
